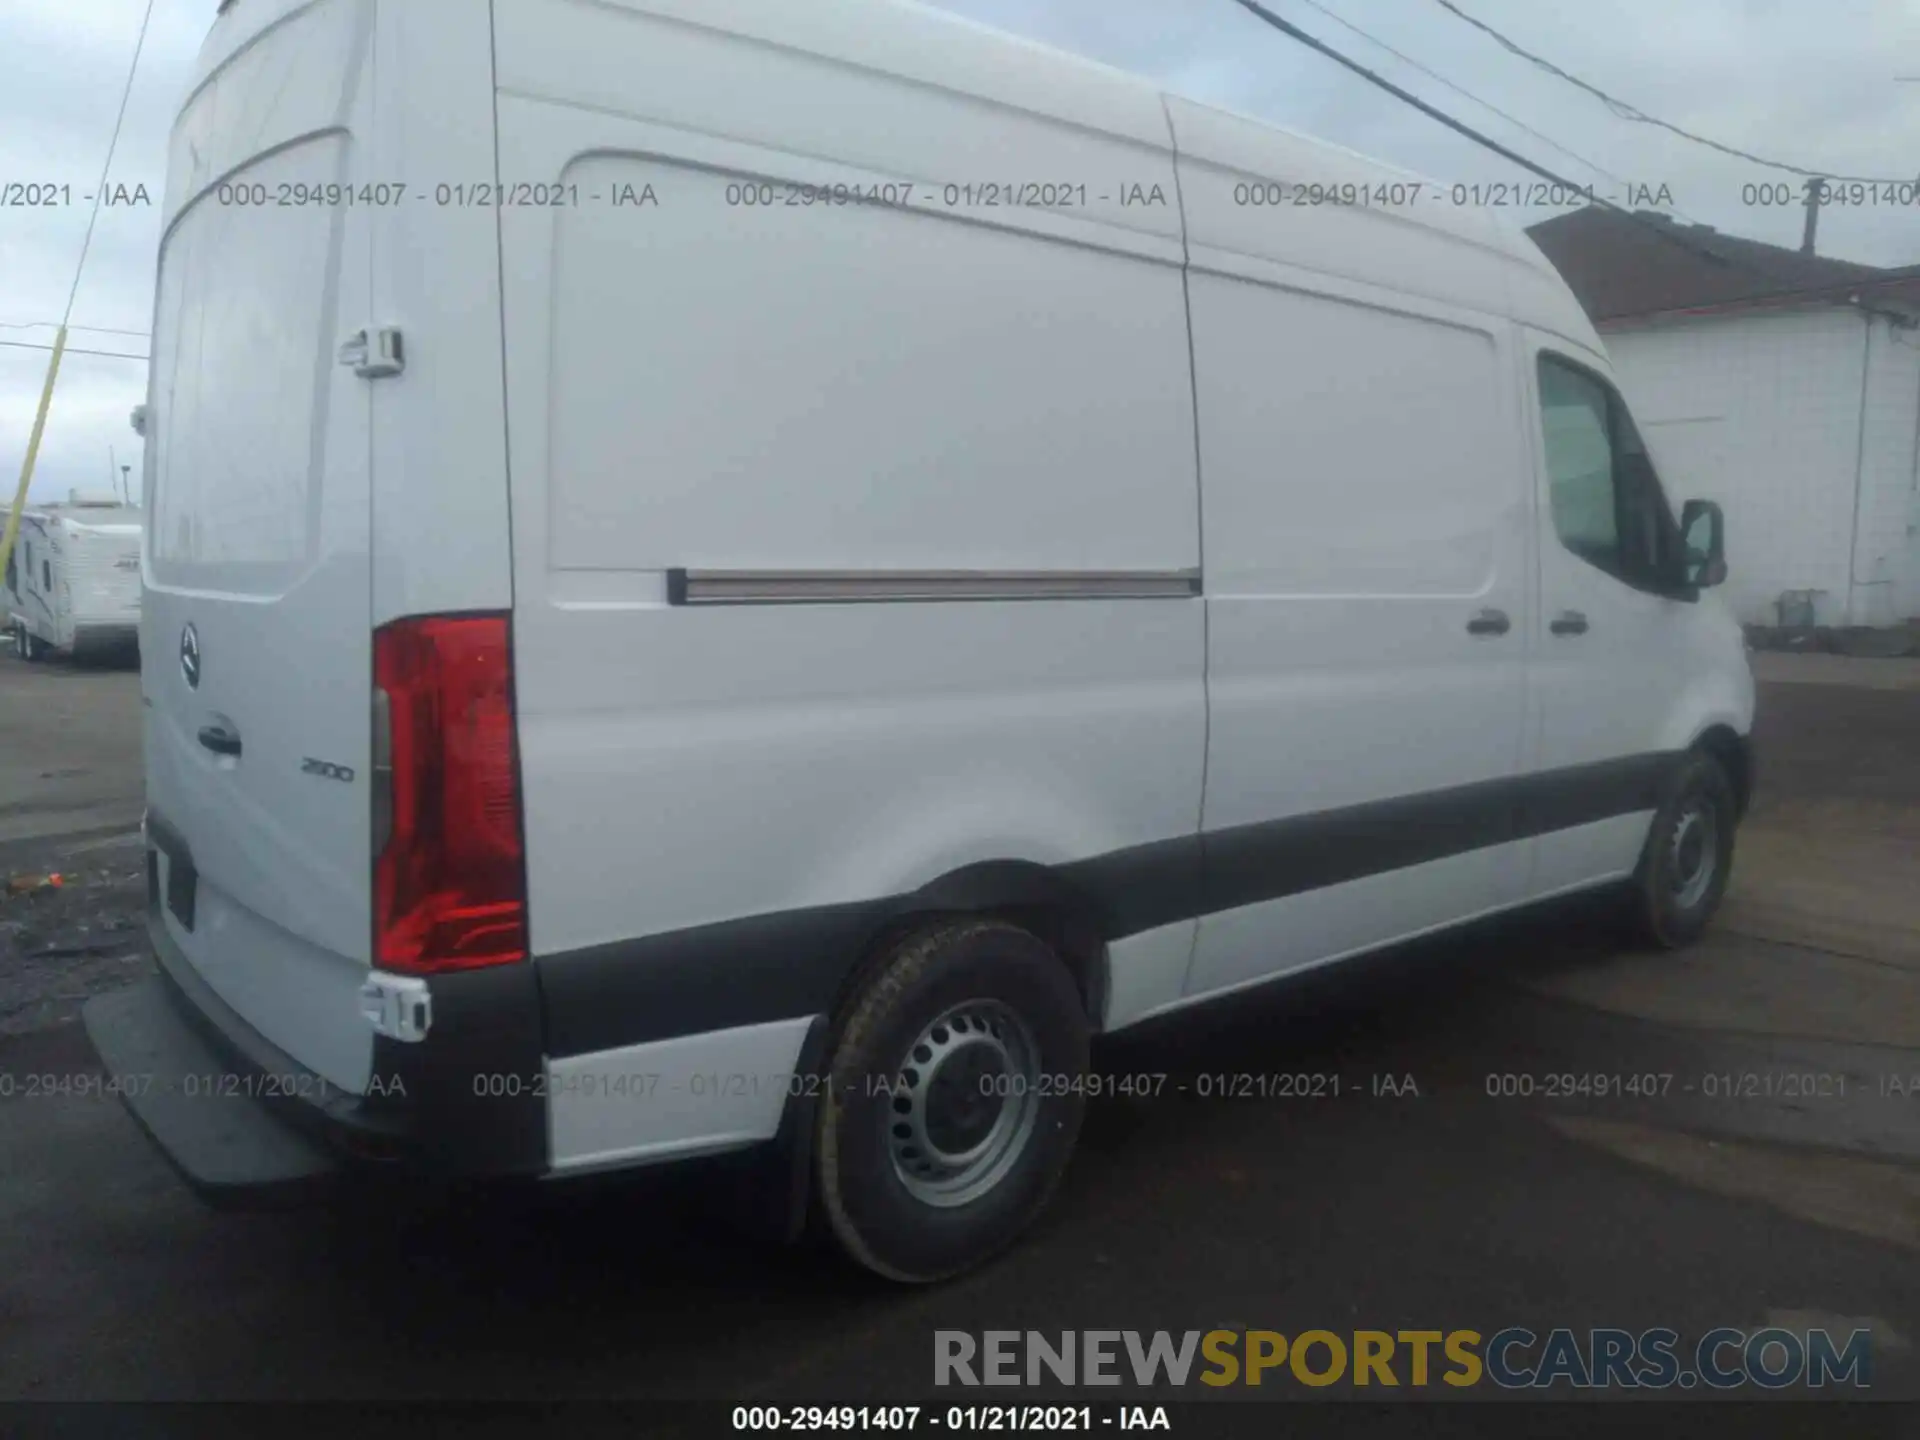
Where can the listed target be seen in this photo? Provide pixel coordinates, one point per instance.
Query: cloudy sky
(1809, 82)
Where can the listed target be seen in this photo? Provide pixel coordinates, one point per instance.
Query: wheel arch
(1026, 893)
(1033, 896)
(1734, 752)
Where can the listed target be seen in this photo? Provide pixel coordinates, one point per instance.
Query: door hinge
(397, 1006)
(374, 354)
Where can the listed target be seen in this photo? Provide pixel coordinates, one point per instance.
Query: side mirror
(1703, 531)
(138, 419)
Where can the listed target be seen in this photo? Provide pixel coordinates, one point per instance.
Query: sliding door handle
(1489, 622)
(1569, 622)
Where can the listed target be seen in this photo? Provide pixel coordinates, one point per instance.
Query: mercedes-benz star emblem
(190, 656)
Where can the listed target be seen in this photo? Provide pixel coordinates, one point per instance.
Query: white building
(1784, 385)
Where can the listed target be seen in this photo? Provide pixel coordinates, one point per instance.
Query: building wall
(1887, 553)
(1762, 412)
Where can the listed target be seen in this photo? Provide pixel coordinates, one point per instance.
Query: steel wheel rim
(1693, 854)
(964, 1104)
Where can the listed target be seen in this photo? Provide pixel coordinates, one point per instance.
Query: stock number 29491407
(1094, 1086)
(826, 1417)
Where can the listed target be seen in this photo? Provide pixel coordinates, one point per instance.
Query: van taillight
(449, 883)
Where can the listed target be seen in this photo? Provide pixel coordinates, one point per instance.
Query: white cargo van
(747, 576)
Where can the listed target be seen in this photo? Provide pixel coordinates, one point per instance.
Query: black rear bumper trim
(304, 1100)
(468, 1102)
(213, 1131)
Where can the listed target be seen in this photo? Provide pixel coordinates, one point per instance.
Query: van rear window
(241, 363)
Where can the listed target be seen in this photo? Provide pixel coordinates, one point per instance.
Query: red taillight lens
(449, 885)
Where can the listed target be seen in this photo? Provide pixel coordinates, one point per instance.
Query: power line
(99, 191)
(73, 350)
(11, 532)
(1488, 105)
(1288, 28)
(54, 325)
(1752, 263)
(1633, 112)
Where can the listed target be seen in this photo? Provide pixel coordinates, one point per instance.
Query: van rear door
(256, 652)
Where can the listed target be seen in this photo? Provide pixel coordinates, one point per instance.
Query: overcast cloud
(1813, 84)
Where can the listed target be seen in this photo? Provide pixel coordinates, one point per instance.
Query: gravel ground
(57, 947)
(70, 803)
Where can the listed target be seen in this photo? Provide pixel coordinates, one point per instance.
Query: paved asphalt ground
(1444, 1209)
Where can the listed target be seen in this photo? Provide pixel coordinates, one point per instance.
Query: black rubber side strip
(794, 963)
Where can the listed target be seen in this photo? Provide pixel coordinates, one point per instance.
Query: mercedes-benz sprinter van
(747, 576)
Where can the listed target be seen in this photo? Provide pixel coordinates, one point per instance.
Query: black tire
(864, 1195)
(1668, 907)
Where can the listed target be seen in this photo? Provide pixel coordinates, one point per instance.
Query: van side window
(1606, 500)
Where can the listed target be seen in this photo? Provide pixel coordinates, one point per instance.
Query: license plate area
(171, 877)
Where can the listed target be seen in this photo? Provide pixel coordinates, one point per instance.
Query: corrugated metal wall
(1763, 413)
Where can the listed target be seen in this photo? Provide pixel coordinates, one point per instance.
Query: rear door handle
(220, 740)
(1489, 622)
(1569, 622)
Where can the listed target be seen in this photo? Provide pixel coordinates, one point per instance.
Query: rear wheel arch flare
(1025, 893)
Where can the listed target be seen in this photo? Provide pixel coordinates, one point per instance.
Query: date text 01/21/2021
(202, 1085)
(538, 195)
(1146, 1085)
(1721, 1085)
(810, 1418)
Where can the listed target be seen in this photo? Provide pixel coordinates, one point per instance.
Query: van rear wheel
(1684, 869)
(947, 1127)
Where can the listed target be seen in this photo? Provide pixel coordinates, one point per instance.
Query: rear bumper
(246, 1124)
(205, 1118)
(248, 1128)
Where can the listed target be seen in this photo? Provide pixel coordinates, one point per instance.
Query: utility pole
(126, 481)
(1816, 188)
(12, 531)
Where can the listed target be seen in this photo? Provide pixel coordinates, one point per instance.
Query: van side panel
(718, 796)
(1410, 242)
(1366, 505)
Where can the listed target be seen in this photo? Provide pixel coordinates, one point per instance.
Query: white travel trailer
(732, 575)
(72, 582)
